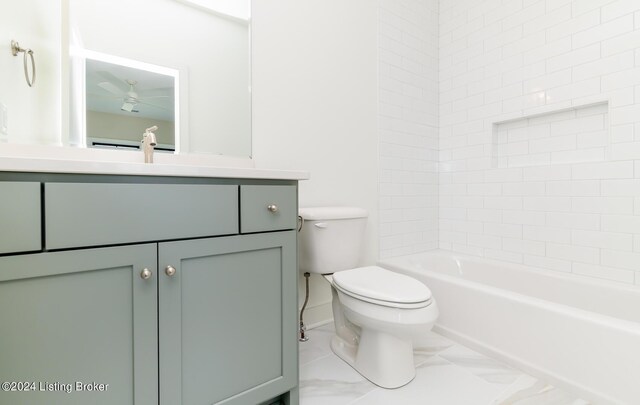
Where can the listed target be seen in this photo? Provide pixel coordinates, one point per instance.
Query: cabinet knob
(170, 271)
(272, 208)
(146, 274)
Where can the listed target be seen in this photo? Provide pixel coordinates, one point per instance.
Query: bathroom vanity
(158, 289)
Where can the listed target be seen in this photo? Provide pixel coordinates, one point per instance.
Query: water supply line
(303, 337)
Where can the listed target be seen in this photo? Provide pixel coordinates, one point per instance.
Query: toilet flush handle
(321, 225)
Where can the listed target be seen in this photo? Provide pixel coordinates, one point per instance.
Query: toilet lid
(380, 284)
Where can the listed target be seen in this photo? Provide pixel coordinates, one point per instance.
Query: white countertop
(43, 159)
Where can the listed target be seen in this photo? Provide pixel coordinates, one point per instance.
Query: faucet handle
(150, 136)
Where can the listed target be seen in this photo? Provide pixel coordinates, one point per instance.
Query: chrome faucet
(148, 142)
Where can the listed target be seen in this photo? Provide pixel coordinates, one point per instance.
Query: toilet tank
(331, 238)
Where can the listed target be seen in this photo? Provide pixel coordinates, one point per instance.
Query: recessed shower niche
(572, 135)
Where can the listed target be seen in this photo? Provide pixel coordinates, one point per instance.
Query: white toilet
(377, 313)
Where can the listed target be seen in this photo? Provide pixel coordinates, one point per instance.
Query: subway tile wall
(408, 126)
(504, 61)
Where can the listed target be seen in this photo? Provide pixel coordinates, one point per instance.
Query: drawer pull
(170, 271)
(146, 274)
(272, 208)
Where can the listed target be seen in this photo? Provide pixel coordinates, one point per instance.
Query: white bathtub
(577, 333)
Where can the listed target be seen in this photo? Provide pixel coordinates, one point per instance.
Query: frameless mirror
(183, 65)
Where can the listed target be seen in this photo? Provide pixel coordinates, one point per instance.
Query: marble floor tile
(437, 382)
(430, 345)
(329, 380)
(317, 346)
(528, 390)
(480, 365)
(447, 373)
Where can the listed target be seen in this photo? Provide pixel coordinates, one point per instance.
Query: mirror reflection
(206, 42)
(121, 101)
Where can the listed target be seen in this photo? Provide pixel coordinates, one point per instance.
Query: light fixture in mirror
(206, 41)
(123, 97)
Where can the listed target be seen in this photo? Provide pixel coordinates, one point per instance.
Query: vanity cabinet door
(79, 316)
(227, 319)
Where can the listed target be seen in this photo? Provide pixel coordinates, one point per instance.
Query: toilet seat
(382, 287)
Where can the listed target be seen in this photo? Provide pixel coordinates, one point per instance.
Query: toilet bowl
(378, 314)
(388, 321)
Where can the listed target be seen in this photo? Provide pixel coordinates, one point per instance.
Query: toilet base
(380, 357)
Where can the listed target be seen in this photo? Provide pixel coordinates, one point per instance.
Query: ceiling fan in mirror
(128, 91)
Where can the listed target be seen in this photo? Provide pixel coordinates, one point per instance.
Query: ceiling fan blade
(104, 96)
(110, 77)
(113, 79)
(111, 88)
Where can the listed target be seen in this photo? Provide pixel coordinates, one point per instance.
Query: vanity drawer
(94, 214)
(20, 223)
(267, 208)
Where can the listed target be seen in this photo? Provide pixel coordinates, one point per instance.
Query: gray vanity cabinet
(79, 316)
(151, 287)
(226, 307)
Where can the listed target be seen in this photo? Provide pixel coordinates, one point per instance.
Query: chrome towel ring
(15, 49)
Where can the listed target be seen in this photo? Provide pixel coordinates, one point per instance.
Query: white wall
(315, 107)
(408, 126)
(503, 60)
(33, 114)
(126, 127)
